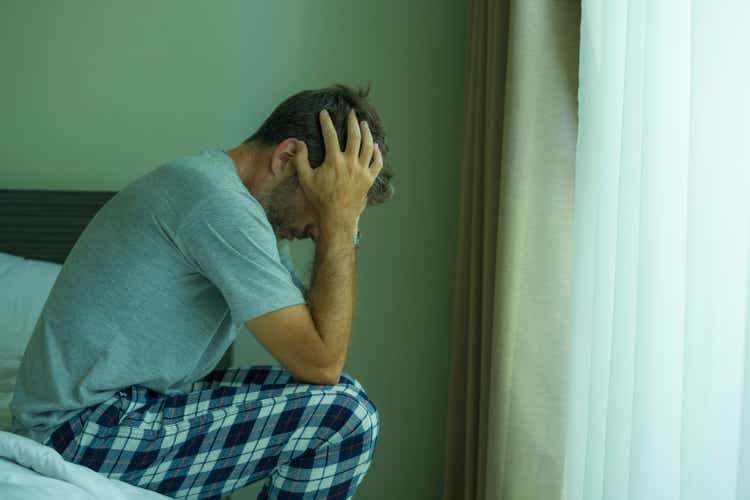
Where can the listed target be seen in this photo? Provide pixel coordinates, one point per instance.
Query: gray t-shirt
(153, 292)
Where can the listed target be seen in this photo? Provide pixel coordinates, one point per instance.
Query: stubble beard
(277, 204)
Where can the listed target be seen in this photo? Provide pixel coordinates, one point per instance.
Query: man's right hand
(338, 188)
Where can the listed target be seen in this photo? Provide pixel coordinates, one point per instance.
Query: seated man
(119, 374)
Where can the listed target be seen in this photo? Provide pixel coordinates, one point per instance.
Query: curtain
(506, 402)
(659, 404)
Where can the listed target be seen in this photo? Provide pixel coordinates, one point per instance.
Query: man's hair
(298, 117)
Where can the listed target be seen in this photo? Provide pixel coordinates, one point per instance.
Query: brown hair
(297, 117)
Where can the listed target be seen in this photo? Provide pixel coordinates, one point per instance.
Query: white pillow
(6, 419)
(8, 260)
(25, 285)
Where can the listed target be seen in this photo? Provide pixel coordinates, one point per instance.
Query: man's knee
(371, 417)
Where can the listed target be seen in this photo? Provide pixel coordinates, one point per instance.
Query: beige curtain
(507, 398)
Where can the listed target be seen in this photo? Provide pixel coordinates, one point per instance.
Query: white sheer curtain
(660, 384)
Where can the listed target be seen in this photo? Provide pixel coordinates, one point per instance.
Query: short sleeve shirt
(153, 292)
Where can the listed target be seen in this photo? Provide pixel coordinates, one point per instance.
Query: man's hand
(338, 188)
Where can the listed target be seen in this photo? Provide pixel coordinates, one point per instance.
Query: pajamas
(231, 429)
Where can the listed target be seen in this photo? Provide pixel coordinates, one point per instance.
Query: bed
(38, 228)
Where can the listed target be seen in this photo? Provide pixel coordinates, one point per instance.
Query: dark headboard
(45, 224)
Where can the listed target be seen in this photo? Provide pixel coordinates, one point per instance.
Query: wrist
(339, 229)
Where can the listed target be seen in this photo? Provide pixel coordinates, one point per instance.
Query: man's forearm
(331, 294)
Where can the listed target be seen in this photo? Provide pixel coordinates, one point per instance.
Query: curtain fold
(506, 403)
(660, 352)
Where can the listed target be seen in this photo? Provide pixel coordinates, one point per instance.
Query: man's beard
(277, 204)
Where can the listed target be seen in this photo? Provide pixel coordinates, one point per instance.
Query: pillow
(8, 260)
(6, 418)
(25, 285)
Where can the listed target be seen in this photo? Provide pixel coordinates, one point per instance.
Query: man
(119, 372)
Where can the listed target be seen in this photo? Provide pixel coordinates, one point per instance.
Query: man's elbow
(334, 377)
(334, 371)
(321, 377)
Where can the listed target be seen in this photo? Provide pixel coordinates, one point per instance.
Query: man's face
(289, 212)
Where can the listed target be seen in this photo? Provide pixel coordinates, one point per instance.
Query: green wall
(95, 94)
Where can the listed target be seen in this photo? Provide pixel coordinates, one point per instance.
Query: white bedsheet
(31, 471)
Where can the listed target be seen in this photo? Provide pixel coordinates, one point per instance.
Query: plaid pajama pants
(232, 428)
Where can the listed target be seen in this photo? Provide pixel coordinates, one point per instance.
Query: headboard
(45, 224)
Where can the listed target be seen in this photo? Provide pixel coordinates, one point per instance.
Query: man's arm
(303, 348)
(331, 295)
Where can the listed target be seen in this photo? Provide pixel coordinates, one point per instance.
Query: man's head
(263, 159)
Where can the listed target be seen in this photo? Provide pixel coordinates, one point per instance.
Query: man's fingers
(365, 156)
(377, 165)
(331, 140)
(353, 138)
(300, 161)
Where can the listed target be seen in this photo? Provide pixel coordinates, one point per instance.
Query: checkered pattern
(233, 428)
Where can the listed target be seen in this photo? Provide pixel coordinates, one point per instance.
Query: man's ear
(282, 153)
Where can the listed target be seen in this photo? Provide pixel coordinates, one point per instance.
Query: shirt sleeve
(229, 241)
